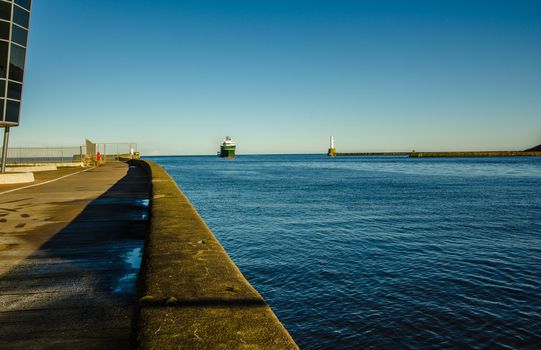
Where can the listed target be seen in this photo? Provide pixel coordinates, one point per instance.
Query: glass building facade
(14, 24)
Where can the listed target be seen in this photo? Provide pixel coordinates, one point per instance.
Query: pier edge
(191, 294)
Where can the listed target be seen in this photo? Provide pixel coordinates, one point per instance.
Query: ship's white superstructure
(228, 141)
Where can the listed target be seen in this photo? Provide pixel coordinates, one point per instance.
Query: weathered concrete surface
(192, 294)
(69, 259)
(41, 177)
(31, 169)
(16, 178)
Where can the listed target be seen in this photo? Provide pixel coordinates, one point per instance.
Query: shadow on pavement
(77, 290)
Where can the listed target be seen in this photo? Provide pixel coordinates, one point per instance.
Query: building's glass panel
(5, 10)
(2, 101)
(4, 30)
(19, 35)
(15, 90)
(12, 111)
(24, 3)
(2, 88)
(16, 63)
(3, 58)
(21, 16)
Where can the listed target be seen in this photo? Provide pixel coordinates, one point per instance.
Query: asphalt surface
(70, 253)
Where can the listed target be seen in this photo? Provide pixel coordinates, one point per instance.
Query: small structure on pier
(332, 150)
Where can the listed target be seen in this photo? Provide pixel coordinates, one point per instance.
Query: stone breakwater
(191, 294)
(475, 154)
(361, 154)
(443, 154)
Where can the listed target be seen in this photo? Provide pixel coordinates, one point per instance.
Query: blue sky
(282, 76)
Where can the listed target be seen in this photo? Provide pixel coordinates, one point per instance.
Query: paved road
(69, 259)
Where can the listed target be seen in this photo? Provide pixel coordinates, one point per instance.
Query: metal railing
(115, 150)
(45, 155)
(69, 155)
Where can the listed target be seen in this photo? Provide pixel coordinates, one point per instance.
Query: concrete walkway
(69, 259)
(41, 177)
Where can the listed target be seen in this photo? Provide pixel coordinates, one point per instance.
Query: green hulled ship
(227, 148)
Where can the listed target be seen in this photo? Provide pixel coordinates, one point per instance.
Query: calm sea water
(381, 252)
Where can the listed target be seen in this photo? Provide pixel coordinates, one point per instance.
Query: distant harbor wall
(443, 154)
(342, 154)
(475, 154)
(191, 294)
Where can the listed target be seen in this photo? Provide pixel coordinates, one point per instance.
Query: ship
(227, 148)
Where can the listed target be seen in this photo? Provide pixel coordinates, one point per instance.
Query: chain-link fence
(45, 155)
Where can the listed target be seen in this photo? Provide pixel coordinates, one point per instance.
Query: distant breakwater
(443, 154)
(373, 154)
(475, 154)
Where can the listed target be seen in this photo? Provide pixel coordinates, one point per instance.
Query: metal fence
(115, 150)
(66, 155)
(45, 155)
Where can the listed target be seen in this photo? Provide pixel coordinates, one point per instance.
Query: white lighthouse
(332, 150)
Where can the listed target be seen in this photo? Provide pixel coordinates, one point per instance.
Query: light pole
(5, 149)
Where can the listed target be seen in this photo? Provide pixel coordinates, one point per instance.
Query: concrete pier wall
(191, 294)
